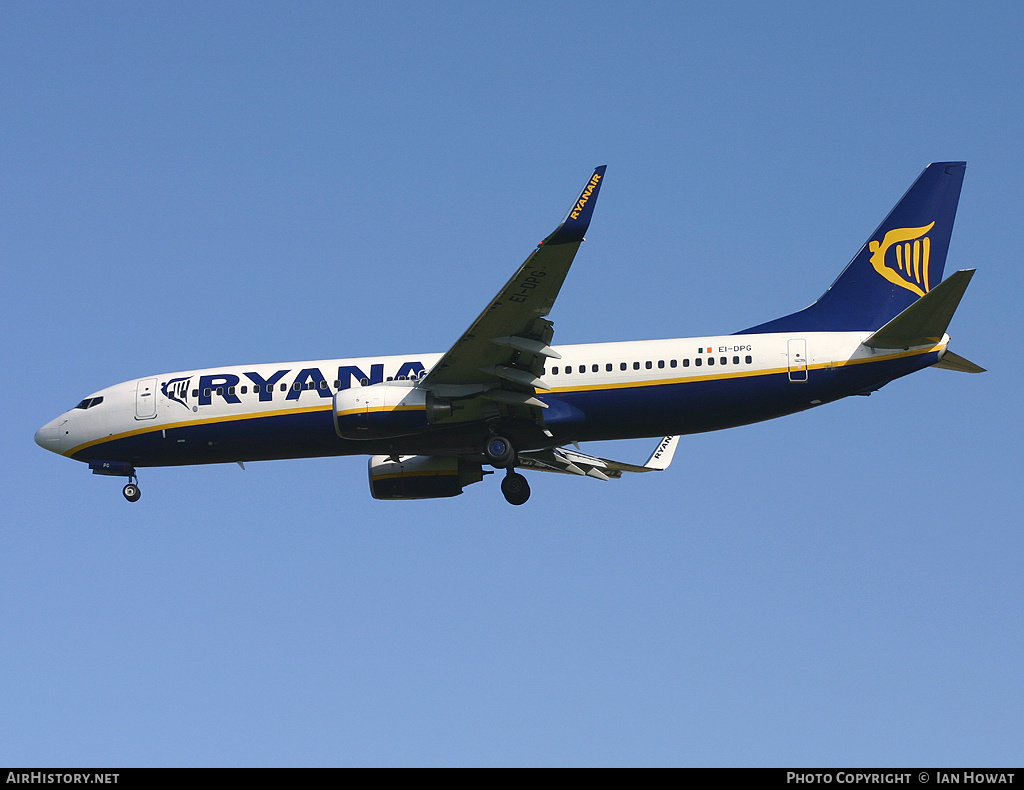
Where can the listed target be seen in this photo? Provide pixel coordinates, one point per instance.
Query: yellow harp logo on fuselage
(907, 267)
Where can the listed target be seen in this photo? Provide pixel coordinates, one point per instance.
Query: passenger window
(554, 370)
(206, 392)
(711, 360)
(195, 393)
(735, 360)
(583, 368)
(686, 363)
(724, 360)
(245, 388)
(256, 388)
(284, 387)
(661, 363)
(749, 360)
(608, 367)
(231, 390)
(648, 364)
(622, 366)
(595, 368)
(636, 366)
(698, 361)
(672, 363)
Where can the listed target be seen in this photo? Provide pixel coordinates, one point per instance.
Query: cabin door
(145, 400)
(797, 359)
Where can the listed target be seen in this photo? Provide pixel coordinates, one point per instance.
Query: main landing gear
(502, 455)
(132, 492)
(515, 488)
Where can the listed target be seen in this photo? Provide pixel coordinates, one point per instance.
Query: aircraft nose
(48, 437)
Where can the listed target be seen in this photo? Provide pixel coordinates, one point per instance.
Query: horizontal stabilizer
(951, 361)
(926, 320)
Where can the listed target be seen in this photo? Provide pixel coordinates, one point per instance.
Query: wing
(501, 357)
(573, 462)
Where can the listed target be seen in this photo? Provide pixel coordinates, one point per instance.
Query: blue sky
(207, 184)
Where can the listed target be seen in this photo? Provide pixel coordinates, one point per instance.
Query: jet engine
(421, 476)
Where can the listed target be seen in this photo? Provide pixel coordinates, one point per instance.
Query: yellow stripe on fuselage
(190, 423)
(576, 388)
(378, 409)
(743, 373)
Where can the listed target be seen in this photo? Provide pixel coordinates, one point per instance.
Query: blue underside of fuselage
(588, 415)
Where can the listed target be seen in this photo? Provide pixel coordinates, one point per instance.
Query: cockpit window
(88, 403)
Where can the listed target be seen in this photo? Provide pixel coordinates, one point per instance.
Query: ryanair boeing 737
(504, 396)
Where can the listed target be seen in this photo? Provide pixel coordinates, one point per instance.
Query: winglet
(662, 457)
(576, 222)
(573, 462)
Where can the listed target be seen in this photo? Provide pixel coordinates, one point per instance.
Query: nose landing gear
(119, 469)
(132, 492)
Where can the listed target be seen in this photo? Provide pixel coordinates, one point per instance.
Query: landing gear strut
(131, 491)
(502, 455)
(515, 488)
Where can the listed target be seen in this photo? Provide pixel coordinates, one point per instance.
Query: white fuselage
(623, 373)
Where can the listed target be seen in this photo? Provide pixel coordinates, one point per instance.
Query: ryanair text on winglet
(662, 447)
(575, 213)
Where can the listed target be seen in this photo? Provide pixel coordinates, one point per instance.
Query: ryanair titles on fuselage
(200, 389)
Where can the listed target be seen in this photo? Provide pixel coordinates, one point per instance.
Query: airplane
(504, 397)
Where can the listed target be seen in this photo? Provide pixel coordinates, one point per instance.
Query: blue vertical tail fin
(901, 261)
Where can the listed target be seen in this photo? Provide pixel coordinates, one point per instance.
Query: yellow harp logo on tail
(907, 267)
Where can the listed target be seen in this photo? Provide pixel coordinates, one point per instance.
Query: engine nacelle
(421, 476)
(380, 411)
